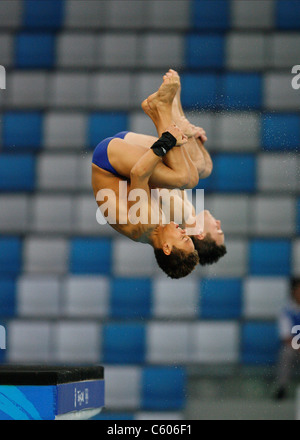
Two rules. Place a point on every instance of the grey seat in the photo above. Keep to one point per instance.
(86, 296)
(6, 49)
(162, 51)
(117, 50)
(14, 213)
(111, 90)
(132, 259)
(161, 16)
(214, 342)
(29, 341)
(77, 341)
(63, 130)
(296, 258)
(85, 15)
(175, 299)
(233, 212)
(167, 343)
(246, 51)
(279, 93)
(76, 50)
(274, 216)
(11, 12)
(263, 298)
(57, 172)
(38, 296)
(69, 90)
(45, 255)
(53, 214)
(125, 14)
(283, 50)
(237, 131)
(28, 90)
(277, 172)
(123, 387)
(252, 14)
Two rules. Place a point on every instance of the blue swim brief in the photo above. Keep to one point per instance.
(100, 157)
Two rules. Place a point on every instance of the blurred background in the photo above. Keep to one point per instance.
(74, 292)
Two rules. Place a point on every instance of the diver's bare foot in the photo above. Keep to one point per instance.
(162, 100)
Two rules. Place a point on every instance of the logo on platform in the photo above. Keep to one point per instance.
(2, 78)
(296, 79)
(2, 338)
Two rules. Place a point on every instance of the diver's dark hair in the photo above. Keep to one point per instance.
(178, 264)
(208, 250)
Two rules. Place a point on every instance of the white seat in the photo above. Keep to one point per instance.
(28, 90)
(38, 296)
(284, 47)
(167, 343)
(252, 14)
(65, 130)
(86, 296)
(237, 131)
(76, 50)
(296, 258)
(45, 255)
(11, 12)
(6, 49)
(263, 298)
(279, 93)
(157, 53)
(125, 14)
(161, 16)
(277, 172)
(233, 264)
(245, 51)
(232, 211)
(132, 259)
(214, 342)
(273, 216)
(117, 50)
(176, 299)
(52, 213)
(14, 213)
(77, 341)
(85, 15)
(57, 172)
(70, 90)
(123, 387)
(29, 341)
(111, 90)
(142, 415)
(144, 84)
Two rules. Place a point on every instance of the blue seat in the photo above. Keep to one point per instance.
(234, 173)
(46, 14)
(35, 50)
(22, 131)
(199, 90)
(260, 343)
(163, 388)
(10, 256)
(213, 14)
(17, 172)
(298, 217)
(123, 343)
(90, 256)
(130, 298)
(221, 298)
(7, 297)
(241, 91)
(270, 257)
(288, 14)
(280, 132)
(104, 125)
(205, 51)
